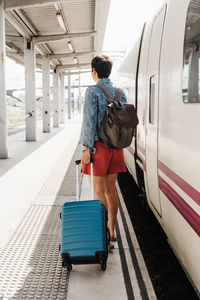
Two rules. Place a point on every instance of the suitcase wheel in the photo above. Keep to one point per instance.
(69, 267)
(103, 264)
(66, 264)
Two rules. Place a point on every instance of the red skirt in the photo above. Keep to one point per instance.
(106, 161)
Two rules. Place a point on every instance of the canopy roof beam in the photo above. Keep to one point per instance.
(22, 19)
(72, 66)
(72, 54)
(13, 4)
(57, 37)
(23, 30)
(75, 72)
(17, 26)
(51, 56)
(14, 38)
(49, 38)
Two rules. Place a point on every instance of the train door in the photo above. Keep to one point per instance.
(152, 115)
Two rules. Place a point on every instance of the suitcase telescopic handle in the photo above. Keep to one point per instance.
(77, 162)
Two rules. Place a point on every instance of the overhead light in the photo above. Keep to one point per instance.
(56, 6)
(60, 20)
(75, 60)
(70, 46)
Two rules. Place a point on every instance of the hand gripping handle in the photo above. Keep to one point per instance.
(77, 162)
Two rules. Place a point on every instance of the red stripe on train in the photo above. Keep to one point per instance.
(132, 151)
(186, 187)
(142, 150)
(185, 210)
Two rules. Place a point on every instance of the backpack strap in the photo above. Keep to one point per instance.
(106, 92)
(118, 93)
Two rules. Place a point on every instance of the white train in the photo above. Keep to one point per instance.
(162, 76)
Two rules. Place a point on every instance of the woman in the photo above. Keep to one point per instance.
(107, 162)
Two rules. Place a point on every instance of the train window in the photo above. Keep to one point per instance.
(152, 100)
(191, 67)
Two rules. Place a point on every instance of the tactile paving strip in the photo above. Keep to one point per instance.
(68, 186)
(56, 183)
(31, 265)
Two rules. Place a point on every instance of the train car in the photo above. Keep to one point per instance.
(162, 76)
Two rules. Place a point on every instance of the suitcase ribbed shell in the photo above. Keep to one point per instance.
(83, 231)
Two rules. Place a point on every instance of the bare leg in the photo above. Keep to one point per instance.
(104, 190)
(99, 189)
(112, 201)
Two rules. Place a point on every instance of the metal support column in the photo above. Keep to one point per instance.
(69, 95)
(46, 110)
(3, 110)
(55, 99)
(62, 99)
(30, 107)
(79, 95)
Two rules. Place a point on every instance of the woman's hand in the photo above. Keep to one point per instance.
(85, 156)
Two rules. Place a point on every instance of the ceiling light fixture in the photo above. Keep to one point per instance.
(70, 46)
(60, 20)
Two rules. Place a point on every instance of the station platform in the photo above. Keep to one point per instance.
(34, 183)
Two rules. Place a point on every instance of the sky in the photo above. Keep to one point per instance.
(125, 22)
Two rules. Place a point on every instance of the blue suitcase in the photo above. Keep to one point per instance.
(84, 231)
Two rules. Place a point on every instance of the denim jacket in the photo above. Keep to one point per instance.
(94, 111)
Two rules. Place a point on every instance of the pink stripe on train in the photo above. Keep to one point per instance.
(132, 151)
(141, 149)
(186, 187)
(185, 210)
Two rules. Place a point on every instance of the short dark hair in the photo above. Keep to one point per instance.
(102, 65)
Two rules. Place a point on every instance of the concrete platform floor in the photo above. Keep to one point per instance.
(35, 181)
(23, 174)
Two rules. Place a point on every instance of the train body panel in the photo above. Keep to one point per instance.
(179, 147)
(129, 78)
(152, 107)
(168, 141)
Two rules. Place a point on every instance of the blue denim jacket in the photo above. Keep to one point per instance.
(94, 112)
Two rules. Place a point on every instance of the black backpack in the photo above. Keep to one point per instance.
(120, 122)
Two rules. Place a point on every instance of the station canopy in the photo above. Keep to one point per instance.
(69, 32)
